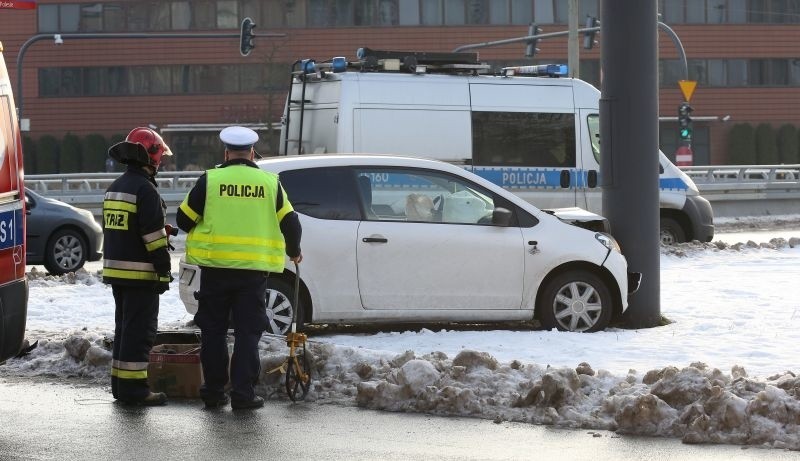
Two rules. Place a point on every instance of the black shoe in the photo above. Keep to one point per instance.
(154, 399)
(217, 402)
(257, 402)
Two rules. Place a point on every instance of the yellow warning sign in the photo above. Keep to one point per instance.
(687, 87)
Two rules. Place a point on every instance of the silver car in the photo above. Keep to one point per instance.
(60, 236)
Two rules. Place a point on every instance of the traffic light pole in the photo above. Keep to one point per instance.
(59, 39)
(586, 30)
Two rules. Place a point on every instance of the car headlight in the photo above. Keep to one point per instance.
(608, 241)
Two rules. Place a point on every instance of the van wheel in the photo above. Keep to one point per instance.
(576, 300)
(671, 232)
(66, 251)
(280, 295)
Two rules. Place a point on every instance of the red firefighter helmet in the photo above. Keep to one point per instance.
(152, 143)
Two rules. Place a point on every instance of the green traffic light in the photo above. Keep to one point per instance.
(686, 134)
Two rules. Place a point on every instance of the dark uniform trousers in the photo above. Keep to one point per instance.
(239, 295)
(136, 324)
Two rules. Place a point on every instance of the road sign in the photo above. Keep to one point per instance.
(17, 5)
(687, 87)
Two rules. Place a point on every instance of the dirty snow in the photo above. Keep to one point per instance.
(724, 371)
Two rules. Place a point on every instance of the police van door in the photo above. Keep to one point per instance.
(523, 139)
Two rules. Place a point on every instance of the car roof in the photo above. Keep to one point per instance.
(291, 162)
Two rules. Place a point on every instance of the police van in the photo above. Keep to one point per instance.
(528, 129)
(13, 284)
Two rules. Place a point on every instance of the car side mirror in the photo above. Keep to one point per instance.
(501, 217)
(591, 179)
(565, 180)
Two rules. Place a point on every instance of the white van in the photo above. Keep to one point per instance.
(527, 129)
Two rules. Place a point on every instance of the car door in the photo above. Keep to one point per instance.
(428, 243)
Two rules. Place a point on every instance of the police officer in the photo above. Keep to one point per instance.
(136, 262)
(240, 224)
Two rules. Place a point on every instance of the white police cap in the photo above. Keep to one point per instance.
(238, 137)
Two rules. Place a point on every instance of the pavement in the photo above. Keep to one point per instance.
(46, 420)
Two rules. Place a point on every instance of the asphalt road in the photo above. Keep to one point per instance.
(42, 420)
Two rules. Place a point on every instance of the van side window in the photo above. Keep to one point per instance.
(530, 139)
(324, 193)
(593, 122)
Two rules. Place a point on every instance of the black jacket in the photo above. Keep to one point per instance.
(134, 240)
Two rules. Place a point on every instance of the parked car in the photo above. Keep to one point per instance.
(60, 236)
(390, 239)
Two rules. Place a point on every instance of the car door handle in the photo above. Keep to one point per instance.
(375, 240)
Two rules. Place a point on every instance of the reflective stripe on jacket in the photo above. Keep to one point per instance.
(239, 227)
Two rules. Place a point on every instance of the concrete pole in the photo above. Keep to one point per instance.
(573, 51)
(629, 139)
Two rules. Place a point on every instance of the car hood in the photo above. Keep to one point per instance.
(581, 218)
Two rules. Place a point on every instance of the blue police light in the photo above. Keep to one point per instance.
(557, 70)
(338, 64)
(541, 70)
(308, 66)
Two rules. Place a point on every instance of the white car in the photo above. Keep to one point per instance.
(390, 239)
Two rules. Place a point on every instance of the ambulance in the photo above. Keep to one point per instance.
(528, 129)
(13, 284)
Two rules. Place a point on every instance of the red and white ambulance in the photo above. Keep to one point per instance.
(13, 284)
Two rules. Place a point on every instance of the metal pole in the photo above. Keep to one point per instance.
(62, 37)
(573, 53)
(629, 133)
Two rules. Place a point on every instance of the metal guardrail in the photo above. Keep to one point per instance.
(731, 189)
(86, 190)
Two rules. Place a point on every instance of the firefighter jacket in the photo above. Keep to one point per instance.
(134, 240)
(239, 221)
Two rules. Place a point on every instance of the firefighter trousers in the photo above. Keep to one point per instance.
(136, 323)
(227, 295)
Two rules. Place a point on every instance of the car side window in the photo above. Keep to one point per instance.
(324, 193)
(416, 195)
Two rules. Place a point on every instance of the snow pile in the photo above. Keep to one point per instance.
(699, 404)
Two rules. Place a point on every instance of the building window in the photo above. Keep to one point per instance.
(161, 80)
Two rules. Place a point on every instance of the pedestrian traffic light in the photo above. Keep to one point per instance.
(685, 121)
(530, 47)
(247, 36)
(589, 36)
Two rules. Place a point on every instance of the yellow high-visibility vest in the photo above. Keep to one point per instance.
(239, 227)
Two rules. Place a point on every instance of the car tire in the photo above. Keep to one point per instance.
(66, 251)
(280, 307)
(576, 300)
(671, 232)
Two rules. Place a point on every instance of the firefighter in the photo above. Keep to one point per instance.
(240, 224)
(136, 262)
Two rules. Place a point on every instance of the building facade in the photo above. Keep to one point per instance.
(742, 53)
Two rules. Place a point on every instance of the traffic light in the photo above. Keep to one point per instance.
(530, 47)
(685, 121)
(247, 36)
(589, 36)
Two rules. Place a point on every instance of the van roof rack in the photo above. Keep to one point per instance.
(415, 62)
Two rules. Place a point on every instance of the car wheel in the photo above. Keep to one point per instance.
(280, 308)
(576, 300)
(671, 232)
(66, 251)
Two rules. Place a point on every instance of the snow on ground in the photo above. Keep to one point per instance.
(724, 371)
